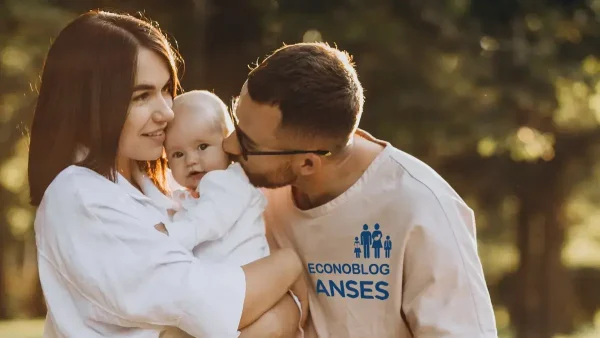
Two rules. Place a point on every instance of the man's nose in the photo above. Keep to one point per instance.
(231, 145)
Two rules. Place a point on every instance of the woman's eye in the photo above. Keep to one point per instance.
(203, 146)
(141, 97)
(177, 154)
(168, 87)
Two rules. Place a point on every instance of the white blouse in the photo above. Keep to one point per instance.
(106, 272)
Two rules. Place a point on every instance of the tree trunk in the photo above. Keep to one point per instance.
(6, 27)
(233, 41)
(546, 302)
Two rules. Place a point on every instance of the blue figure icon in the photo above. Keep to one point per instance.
(366, 240)
(377, 235)
(387, 246)
(356, 247)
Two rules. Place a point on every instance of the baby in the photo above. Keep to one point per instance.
(194, 149)
(216, 213)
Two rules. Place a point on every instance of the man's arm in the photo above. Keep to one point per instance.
(445, 293)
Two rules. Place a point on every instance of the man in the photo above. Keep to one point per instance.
(330, 182)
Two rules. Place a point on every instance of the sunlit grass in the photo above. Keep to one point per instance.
(22, 329)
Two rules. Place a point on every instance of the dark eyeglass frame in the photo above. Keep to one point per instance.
(245, 152)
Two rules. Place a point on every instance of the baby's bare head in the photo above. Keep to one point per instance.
(201, 106)
(194, 137)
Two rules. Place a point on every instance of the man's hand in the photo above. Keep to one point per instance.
(281, 321)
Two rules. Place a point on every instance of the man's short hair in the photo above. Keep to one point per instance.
(316, 88)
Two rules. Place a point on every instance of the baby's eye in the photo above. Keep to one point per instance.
(177, 154)
(203, 146)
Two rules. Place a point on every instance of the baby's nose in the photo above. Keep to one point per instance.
(192, 159)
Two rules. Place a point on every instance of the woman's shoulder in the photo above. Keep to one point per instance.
(78, 185)
(75, 177)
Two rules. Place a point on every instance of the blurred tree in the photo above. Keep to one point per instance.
(6, 29)
(27, 29)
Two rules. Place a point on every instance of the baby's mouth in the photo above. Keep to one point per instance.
(196, 174)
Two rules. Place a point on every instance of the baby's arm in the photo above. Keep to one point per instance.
(225, 196)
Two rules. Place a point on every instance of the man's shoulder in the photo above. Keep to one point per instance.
(412, 183)
(413, 171)
(417, 193)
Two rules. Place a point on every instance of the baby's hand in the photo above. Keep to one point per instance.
(182, 195)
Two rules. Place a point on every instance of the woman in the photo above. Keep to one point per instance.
(377, 236)
(105, 99)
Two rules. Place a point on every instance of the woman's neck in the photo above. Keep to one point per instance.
(124, 167)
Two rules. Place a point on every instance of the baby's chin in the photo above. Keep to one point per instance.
(183, 183)
(191, 183)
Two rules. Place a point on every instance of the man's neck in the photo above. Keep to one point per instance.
(336, 177)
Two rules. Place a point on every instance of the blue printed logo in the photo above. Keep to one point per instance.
(356, 279)
(372, 240)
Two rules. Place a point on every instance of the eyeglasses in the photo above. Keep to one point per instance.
(245, 152)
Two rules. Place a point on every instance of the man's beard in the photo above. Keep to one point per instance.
(272, 179)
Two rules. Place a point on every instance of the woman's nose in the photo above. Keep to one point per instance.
(164, 112)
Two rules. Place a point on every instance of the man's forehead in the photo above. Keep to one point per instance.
(254, 115)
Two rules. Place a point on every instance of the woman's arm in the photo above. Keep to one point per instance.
(281, 321)
(300, 290)
(286, 318)
(267, 281)
(100, 240)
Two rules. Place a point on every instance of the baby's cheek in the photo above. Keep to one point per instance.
(178, 173)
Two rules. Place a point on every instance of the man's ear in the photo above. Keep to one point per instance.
(307, 164)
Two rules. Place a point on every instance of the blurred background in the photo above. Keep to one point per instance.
(501, 97)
